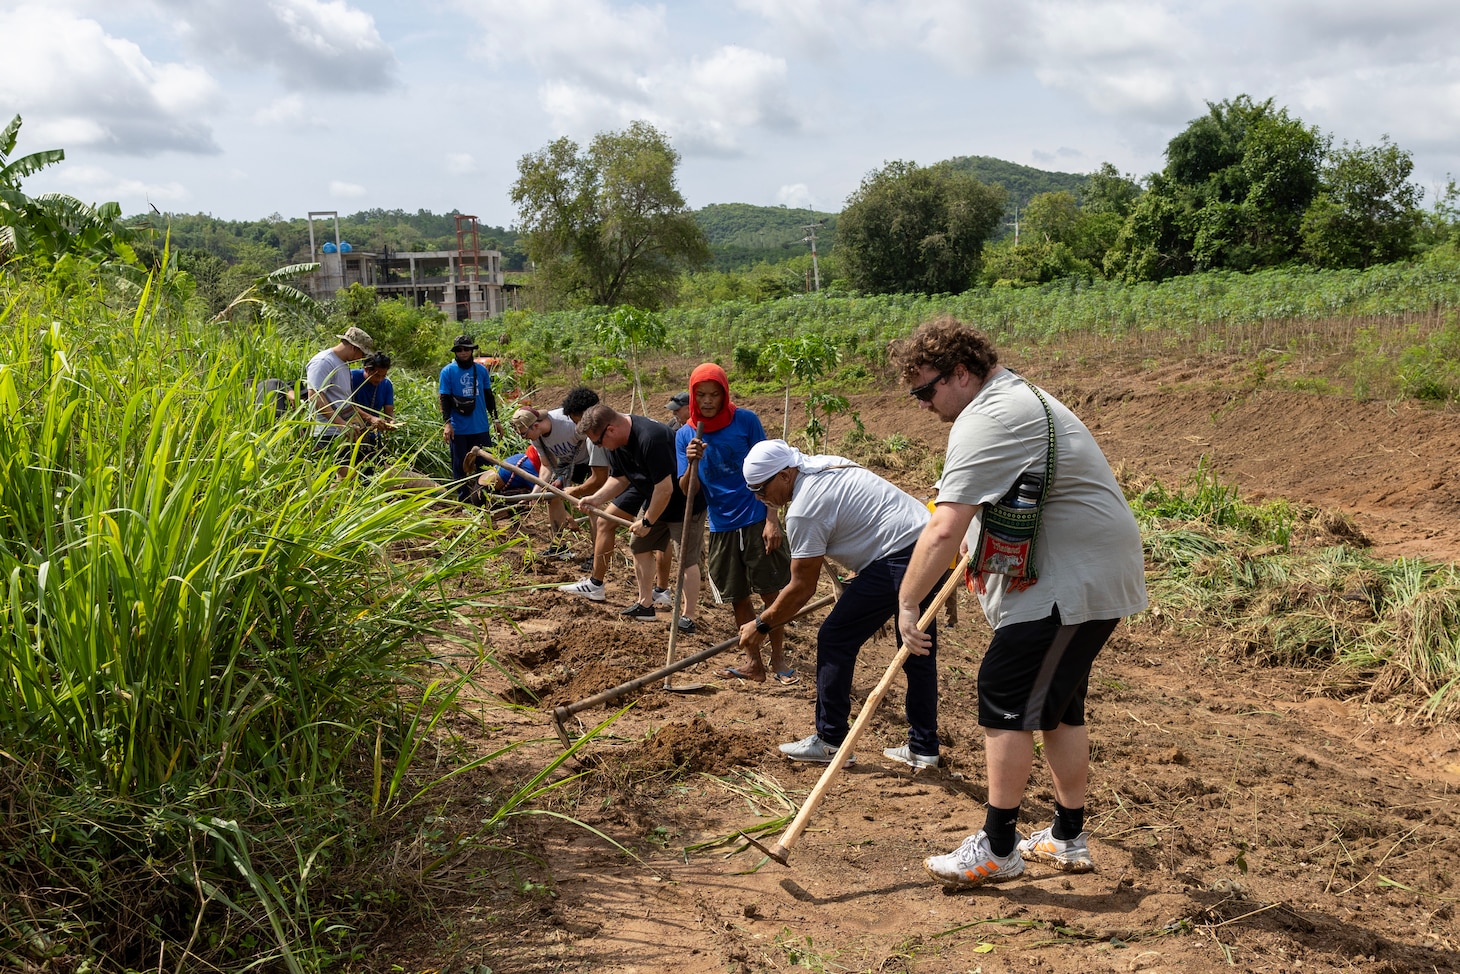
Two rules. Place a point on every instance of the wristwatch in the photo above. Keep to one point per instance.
(761, 626)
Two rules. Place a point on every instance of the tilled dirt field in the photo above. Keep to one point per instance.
(1244, 818)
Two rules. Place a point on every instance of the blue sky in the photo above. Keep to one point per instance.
(244, 108)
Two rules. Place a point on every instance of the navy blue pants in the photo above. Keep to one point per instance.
(461, 445)
(869, 601)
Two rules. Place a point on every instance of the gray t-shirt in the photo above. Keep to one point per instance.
(1088, 554)
(567, 447)
(329, 375)
(852, 516)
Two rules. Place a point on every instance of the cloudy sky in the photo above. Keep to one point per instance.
(244, 108)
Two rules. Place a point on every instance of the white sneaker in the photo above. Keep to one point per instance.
(813, 749)
(586, 588)
(1070, 855)
(911, 758)
(974, 863)
(663, 597)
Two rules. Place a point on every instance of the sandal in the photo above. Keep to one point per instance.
(787, 677)
(731, 672)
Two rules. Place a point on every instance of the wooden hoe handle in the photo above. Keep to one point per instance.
(557, 490)
(781, 851)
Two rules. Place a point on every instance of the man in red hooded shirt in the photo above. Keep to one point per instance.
(747, 554)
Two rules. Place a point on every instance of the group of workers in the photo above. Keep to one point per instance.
(1027, 506)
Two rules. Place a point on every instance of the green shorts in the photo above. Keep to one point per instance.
(740, 566)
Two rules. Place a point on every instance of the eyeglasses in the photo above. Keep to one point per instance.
(598, 440)
(929, 389)
(759, 489)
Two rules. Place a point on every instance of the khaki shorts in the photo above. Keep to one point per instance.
(664, 532)
(740, 566)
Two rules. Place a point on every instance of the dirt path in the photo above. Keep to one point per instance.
(1243, 820)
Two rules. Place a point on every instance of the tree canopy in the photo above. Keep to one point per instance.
(607, 226)
(915, 228)
(1248, 186)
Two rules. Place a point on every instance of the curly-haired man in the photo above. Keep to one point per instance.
(1052, 595)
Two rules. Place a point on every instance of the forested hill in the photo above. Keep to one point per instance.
(1022, 182)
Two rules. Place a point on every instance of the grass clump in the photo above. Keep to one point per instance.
(1295, 587)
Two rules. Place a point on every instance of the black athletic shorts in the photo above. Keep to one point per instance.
(1035, 674)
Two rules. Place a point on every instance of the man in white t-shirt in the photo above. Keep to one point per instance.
(328, 380)
(842, 511)
(1089, 574)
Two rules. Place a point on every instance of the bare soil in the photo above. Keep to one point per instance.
(1244, 818)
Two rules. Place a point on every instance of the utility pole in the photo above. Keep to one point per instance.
(1016, 224)
(810, 238)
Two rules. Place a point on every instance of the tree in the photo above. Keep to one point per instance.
(914, 228)
(607, 226)
(807, 357)
(1368, 212)
(1236, 185)
(52, 226)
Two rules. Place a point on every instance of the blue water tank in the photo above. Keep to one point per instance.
(328, 248)
(345, 247)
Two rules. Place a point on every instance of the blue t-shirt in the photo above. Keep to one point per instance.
(731, 504)
(373, 397)
(471, 383)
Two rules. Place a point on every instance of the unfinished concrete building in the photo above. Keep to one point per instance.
(466, 283)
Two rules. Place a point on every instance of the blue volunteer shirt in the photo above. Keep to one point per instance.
(373, 397)
(472, 382)
(731, 504)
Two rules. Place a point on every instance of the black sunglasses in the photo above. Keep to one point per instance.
(926, 391)
(759, 488)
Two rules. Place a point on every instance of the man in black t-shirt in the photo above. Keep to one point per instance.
(643, 484)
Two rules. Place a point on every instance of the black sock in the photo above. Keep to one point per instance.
(1068, 822)
(998, 825)
(595, 581)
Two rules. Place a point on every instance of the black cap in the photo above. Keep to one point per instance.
(464, 341)
(677, 401)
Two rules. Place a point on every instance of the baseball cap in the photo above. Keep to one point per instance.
(677, 401)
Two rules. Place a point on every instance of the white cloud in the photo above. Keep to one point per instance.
(311, 45)
(76, 82)
(96, 183)
(346, 191)
(460, 163)
(601, 66)
(797, 196)
(289, 112)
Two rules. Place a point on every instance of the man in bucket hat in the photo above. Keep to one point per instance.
(468, 409)
(328, 380)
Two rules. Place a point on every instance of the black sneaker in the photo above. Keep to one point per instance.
(586, 565)
(637, 611)
(686, 627)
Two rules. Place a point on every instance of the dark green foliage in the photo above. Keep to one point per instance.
(910, 228)
(1368, 211)
(1236, 185)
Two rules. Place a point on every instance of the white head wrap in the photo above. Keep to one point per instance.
(769, 457)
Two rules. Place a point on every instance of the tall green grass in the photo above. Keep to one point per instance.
(210, 641)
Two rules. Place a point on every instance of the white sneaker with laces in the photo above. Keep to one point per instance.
(663, 597)
(911, 758)
(586, 588)
(814, 750)
(974, 863)
(1070, 855)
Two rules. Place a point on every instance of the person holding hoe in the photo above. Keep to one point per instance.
(642, 486)
(837, 509)
(1056, 561)
(468, 409)
(747, 554)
